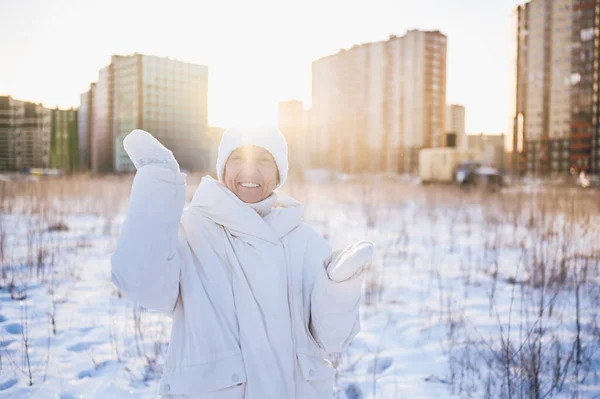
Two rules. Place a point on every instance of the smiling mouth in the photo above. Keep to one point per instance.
(249, 185)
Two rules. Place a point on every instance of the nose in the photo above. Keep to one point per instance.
(250, 166)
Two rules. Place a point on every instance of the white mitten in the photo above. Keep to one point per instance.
(144, 149)
(350, 262)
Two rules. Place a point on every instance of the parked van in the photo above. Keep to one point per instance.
(439, 164)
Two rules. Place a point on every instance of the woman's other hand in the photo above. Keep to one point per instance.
(144, 149)
(350, 262)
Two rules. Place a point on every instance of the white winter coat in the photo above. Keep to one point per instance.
(254, 313)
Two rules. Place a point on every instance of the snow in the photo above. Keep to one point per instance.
(454, 280)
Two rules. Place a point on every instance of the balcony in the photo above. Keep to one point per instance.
(580, 146)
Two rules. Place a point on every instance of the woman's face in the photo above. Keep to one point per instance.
(251, 173)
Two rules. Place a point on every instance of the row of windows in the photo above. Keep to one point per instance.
(177, 77)
(171, 93)
(180, 85)
(172, 108)
(124, 77)
(174, 100)
(191, 118)
(175, 129)
(170, 97)
(154, 62)
(192, 114)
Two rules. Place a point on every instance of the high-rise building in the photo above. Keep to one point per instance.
(455, 126)
(294, 124)
(376, 105)
(84, 127)
(163, 96)
(555, 106)
(214, 134)
(25, 131)
(102, 136)
(64, 140)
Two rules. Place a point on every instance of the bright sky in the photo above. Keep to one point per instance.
(258, 52)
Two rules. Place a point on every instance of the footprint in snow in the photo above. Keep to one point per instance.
(382, 364)
(92, 372)
(5, 343)
(8, 384)
(80, 346)
(14, 328)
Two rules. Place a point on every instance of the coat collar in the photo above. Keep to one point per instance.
(223, 207)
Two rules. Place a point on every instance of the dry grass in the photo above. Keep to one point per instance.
(555, 230)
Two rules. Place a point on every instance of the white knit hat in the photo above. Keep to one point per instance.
(269, 138)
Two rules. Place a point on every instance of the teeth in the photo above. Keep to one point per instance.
(249, 185)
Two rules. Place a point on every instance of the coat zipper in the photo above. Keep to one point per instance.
(290, 295)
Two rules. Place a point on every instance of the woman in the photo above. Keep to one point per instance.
(257, 297)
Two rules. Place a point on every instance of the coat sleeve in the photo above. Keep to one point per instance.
(334, 309)
(146, 263)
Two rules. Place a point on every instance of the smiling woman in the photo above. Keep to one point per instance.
(251, 174)
(252, 163)
(242, 268)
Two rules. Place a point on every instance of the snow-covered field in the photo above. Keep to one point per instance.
(472, 294)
